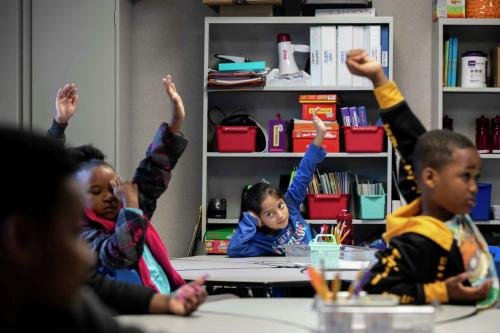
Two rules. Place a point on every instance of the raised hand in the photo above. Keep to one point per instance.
(66, 103)
(127, 192)
(360, 64)
(320, 127)
(179, 112)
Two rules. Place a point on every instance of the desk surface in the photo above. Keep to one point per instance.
(272, 271)
(289, 315)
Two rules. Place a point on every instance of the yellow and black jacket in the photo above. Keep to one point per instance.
(421, 251)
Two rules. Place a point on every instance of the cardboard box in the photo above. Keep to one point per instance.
(277, 136)
(448, 9)
(308, 125)
(303, 139)
(216, 246)
(495, 67)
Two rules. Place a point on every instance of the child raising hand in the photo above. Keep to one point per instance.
(269, 220)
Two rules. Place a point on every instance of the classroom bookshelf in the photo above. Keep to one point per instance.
(225, 174)
(464, 105)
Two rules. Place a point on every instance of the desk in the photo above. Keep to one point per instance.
(262, 272)
(290, 315)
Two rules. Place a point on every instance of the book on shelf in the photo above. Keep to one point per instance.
(344, 45)
(328, 55)
(315, 55)
(217, 79)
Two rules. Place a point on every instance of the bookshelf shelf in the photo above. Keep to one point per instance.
(293, 155)
(490, 156)
(315, 222)
(460, 90)
(225, 174)
(293, 89)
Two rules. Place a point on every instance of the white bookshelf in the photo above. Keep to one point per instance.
(464, 105)
(225, 174)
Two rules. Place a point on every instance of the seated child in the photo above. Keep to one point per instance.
(270, 220)
(117, 213)
(44, 262)
(435, 252)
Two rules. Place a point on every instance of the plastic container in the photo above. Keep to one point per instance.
(474, 69)
(300, 254)
(482, 9)
(481, 212)
(372, 314)
(231, 139)
(482, 134)
(324, 255)
(326, 206)
(370, 207)
(495, 135)
(364, 139)
(303, 139)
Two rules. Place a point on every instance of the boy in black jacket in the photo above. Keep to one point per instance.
(434, 251)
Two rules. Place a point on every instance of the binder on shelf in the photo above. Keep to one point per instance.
(384, 44)
(328, 55)
(446, 63)
(344, 45)
(449, 66)
(375, 36)
(454, 63)
(315, 56)
(366, 47)
(357, 43)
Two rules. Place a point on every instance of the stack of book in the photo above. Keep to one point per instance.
(330, 183)
(217, 79)
(450, 62)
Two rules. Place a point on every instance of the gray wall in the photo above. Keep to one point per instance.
(412, 51)
(10, 62)
(167, 37)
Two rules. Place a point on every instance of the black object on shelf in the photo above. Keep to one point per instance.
(308, 7)
(217, 208)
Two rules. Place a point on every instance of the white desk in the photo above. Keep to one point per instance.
(254, 271)
(288, 315)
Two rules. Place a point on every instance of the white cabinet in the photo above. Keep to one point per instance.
(225, 174)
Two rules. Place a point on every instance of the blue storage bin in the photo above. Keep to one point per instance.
(481, 212)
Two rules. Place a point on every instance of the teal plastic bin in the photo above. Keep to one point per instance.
(371, 207)
(324, 254)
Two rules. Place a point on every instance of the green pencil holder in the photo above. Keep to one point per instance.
(371, 207)
(324, 254)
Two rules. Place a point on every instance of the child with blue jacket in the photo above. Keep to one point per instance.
(269, 220)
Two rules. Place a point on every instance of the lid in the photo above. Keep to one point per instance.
(283, 37)
(474, 54)
(483, 122)
(344, 215)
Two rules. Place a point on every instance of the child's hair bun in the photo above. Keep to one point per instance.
(86, 153)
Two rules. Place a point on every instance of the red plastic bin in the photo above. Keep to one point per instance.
(363, 139)
(303, 139)
(326, 206)
(236, 139)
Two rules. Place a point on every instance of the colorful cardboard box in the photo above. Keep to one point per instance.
(448, 9)
(327, 104)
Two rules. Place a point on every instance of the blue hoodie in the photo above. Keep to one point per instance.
(248, 241)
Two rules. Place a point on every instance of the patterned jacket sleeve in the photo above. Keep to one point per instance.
(56, 131)
(155, 170)
(121, 248)
(407, 268)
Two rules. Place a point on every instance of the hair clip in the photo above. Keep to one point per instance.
(249, 187)
(263, 180)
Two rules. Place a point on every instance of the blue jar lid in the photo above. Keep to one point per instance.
(474, 54)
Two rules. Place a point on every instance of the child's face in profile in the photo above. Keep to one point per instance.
(274, 213)
(455, 185)
(97, 191)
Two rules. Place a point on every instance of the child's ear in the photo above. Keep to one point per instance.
(429, 177)
(20, 239)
